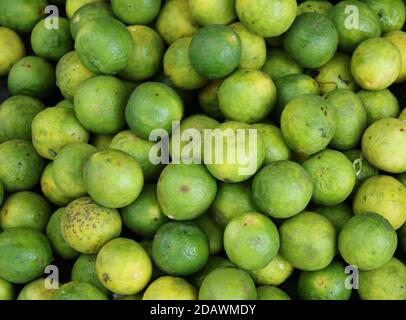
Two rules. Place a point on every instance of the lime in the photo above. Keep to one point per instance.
(398, 38)
(54, 128)
(170, 288)
(391, 13)
(384, 145)
(187, 96)
(282, 189)
(180, 249)
(65, 103)
(101, 141)
(367, 241)
(6, 290)
(231, 200)
(308, 124)
(214, 262)
(247, 96)
(87, 226)
(215, 51)
(355, 22)
(136, 11)
(213, 11)
(338, 214)
(363, 169)
(31, 76)
(113, 178)
(251, 241)
(312, 40)
(144, 216)
(325, 284)
(20, 165)
(271, 293)
(185, 191)
(78, 291)
(49, 188)
(376, 64)
(385, 283)
(175, 21)
(104, 45)
(13, 49)
(308, 241)
(36, 290)
(72, 6)
(16, 115)
(139, 149)
(384, 195)
(316, 6)
(208, 99)
(274, 273)
(213, 232)
(54, 235)
(24, 254)
(227, 284)
(268, 18)
(178, 67)
(153, 105)
(279, 64)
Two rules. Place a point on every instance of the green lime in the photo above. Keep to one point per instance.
(247, 96)
(175, 21)
(213, 232)
(170, 288)
(391, 13)
(384, 145)
(271, 293)
(316, 6)
(153, 105)
(123, 266)
(376, 64)
(227, 284)
(21, 15)
(70, 73)
(208, 99)
(185, 191)
(65, 103)
(20, 165)
(144, 216)
(25, 209)
(16, 115)
(308, 241)
(36, 290)
(101, 141)
(232, 199)
(113, 178)
(87, 13)
(282, 189)
(54, 235)
(385, 283)
(308, 124)
(72, 6)
(213, 11)
(139, 149)
(147, 55)
(84, 270)
(104, 45)
(237, 152)
(31, 76)
(279, 64)
(187, 96)
(24, 254)
(363, 169)
(49, 188)
(51, 43)
(100, 103)
(214, 262)
(54, 128)
(367, 241)
(6, 290)
(253, 48)
(12, 49)
(180, 249)
(68, 168)
(338, 215)
(136, 11)
(355, 22)
(336, 74)
(268, 18)
(384, 195)
(328, 283)
(251, 241)
(274, 273)
(178, 67)
(312, 40)
(78, 291)
(379, 104)
(215, 51)
(87, 226)
(398, 38)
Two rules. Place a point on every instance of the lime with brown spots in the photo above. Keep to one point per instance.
(170, 288)
(36, 290)
(274, 273)
(185, 191)
(87, 227)
(13, 49)
(78, 291)
(279, 64)
(322, 7)
(213, 11)
(136, 11)
(271, 293)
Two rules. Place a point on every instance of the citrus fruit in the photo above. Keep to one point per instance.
(36, 290)
(279, 64)
(78, 291)
(213, 232)
(6, 290)
(391, 13)
(13, 49)
(214, 262)
(317, 6)
(170, 288)
(398, 38)
(271, 293)
(274, 273)
(208, 99)
(363, 169)
(338, 214)
(136, 11)
(213, 11)
(72, 6)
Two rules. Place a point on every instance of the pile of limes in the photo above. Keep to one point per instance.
(203, 149)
